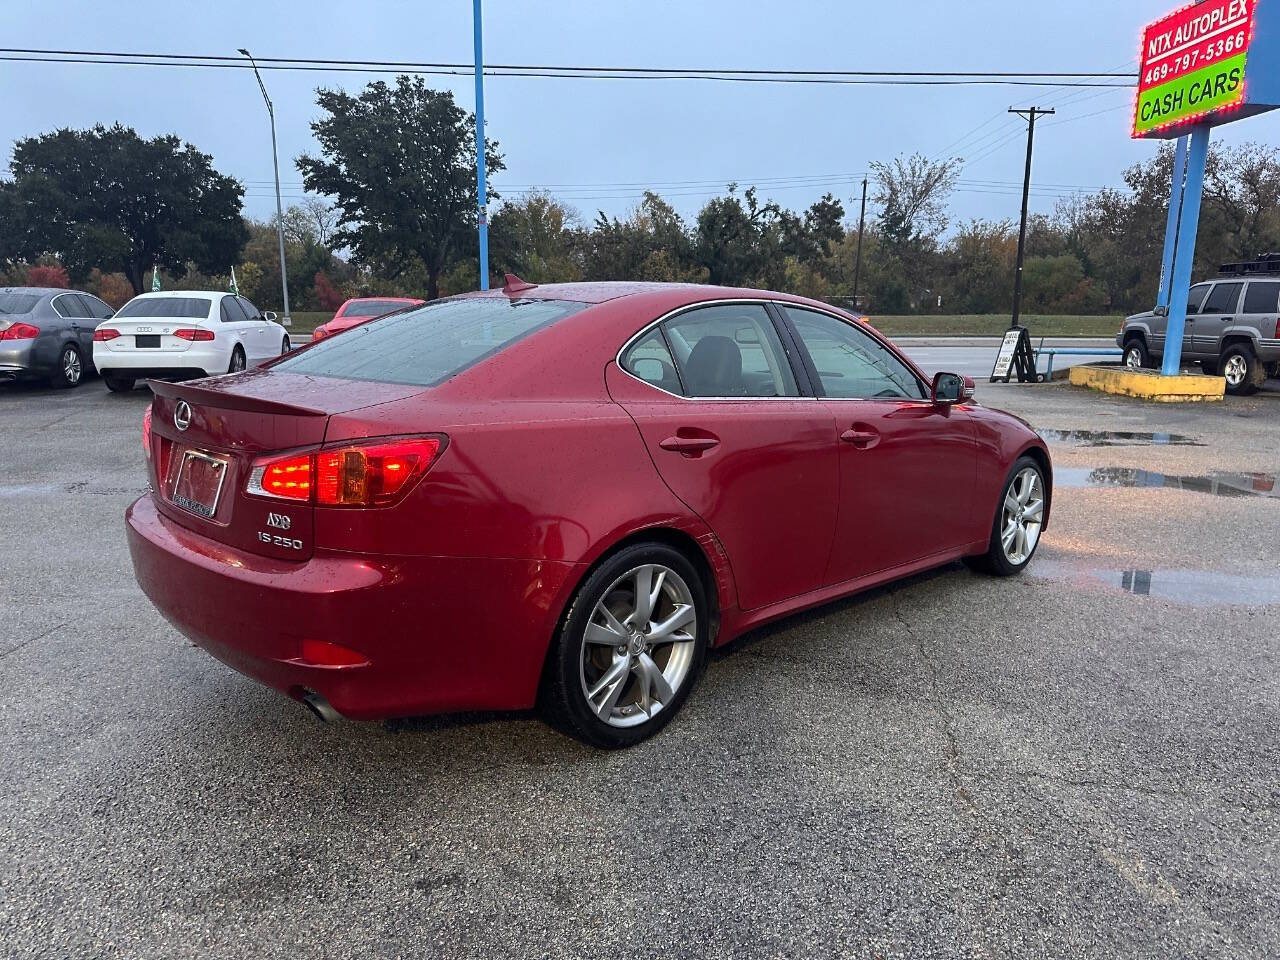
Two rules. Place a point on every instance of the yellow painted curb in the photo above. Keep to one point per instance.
(1149, 384)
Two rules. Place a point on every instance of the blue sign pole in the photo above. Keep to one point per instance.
(481, 189)
(1184, 256)
(1171, 226)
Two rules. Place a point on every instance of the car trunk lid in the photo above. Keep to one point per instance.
(206, 435)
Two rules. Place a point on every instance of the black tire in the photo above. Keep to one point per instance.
(996, 560)
(237, 360)
(68, 371)
(1250, 378)
(119, 384)
(563, 699)
(284, 345)
(1209, 368)
(1136, 355)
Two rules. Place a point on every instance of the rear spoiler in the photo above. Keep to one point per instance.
(214, 395)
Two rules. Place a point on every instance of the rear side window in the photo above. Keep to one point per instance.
(651, 361)
(428, 345)
(174, 308)
(1224, 298)
(1261, 297)
(1195, 297)
(371, 308)
(730, 350)
(71, 306)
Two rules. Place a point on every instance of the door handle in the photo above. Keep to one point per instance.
(861, 437)
(689, 446)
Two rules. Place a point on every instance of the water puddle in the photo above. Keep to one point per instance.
(1119, 438)
(1195, 588)
(1216, 484)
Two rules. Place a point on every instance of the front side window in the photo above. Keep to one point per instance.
(730, 350)
(651, 361)
(1224, 298)
(98, 309)
(426, 346)
(1195, 297)
(171, 308)
(851, 363)
(1261, 297)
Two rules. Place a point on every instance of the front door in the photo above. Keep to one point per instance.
(907, 466)
(1218, 312)
(716, 400)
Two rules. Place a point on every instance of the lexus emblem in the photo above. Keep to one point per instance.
(182, 415)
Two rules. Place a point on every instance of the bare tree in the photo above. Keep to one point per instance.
(912, 195)
(322, 217)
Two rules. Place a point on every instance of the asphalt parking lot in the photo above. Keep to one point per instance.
(1079, 762)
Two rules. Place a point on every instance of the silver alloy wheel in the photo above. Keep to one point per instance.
(1022, 516)
(1235, 369)
(1132, 358)
(638, 647)
(71, 368)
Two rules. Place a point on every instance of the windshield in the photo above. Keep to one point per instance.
(12, 303)
(177, 308)
(372, 308)
(428, 345)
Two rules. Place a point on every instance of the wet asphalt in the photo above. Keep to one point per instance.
(1079, 762)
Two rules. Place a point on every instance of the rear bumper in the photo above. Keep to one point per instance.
(439, 633)
(153, 373)
(19, 358)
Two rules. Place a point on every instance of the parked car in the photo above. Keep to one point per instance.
(1231, 329)
(47, 333)
(562, 495)
(360, 309)
(181, 334)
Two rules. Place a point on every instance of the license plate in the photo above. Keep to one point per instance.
(199, 483)
(147, 340)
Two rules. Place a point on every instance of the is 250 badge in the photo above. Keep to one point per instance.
(278, 541)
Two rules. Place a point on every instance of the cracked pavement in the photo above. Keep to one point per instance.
(954, 766)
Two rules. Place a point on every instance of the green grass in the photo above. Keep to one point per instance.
(304, 321)
(993, 325)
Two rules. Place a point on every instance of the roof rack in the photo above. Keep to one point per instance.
(1263, 263)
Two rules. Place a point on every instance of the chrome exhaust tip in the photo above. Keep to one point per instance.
(320, 707)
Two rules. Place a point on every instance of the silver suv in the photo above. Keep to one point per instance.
(1231, 330)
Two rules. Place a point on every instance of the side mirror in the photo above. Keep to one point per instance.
(1160, 311)
(951, 388)
(269, 316)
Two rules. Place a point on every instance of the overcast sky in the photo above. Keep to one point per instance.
(598, 142)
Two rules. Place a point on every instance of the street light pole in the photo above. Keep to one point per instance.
(482, 198)
(275, 163)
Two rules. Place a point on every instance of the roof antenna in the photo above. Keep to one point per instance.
(513, 284)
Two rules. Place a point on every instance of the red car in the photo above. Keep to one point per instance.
(360, 309)
(562, 495)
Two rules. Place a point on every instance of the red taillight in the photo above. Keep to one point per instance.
(146, 432)
(103, 334)
(20, 331)
(323, 654)
(193, 333)
(362, 475)
(289, 478)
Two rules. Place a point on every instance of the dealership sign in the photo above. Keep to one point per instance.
(1207, 63)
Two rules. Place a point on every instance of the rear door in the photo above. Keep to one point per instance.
(1219, 311)
(907, 466)
(1260, 310)
(717, 401)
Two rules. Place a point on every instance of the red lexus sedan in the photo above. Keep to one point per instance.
(562, 495)
(359, 309)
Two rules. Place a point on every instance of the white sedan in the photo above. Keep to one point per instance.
(180, 334)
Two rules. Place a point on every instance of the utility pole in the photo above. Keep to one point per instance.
(482, 191)
(862, 222)
(1030, 117)
(275, 163)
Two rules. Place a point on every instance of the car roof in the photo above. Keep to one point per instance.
(41, 291)
(186, 294)
(598, 292)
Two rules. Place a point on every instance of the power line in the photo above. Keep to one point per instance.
(865, 77)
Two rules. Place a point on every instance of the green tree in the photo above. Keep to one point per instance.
(537, 238)
(109, 199)
(400, 164)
